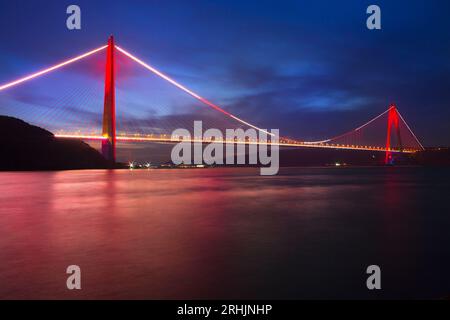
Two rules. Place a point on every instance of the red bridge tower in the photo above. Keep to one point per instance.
(393, 121)
(109, 110)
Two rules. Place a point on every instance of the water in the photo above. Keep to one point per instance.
(226, 233)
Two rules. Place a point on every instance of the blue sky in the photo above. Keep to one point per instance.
(310, 68)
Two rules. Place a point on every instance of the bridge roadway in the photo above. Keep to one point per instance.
(282, 143)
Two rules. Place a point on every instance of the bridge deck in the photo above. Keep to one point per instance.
(281, 143)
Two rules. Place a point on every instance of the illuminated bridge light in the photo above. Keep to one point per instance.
(161, 138)
(50, 69)
(193, 94)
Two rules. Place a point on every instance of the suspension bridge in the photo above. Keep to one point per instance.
(388, 132)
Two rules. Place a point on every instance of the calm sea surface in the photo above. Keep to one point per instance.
(226, 233)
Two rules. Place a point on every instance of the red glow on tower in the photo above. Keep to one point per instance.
(393, 120)
(109, 111)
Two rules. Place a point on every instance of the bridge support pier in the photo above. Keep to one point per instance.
(109, 110)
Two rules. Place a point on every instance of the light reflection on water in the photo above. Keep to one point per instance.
(225, 233)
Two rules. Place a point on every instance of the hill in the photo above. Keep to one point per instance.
(27, 147)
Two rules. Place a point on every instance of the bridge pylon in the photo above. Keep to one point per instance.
(393, 121)
(109, 109)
